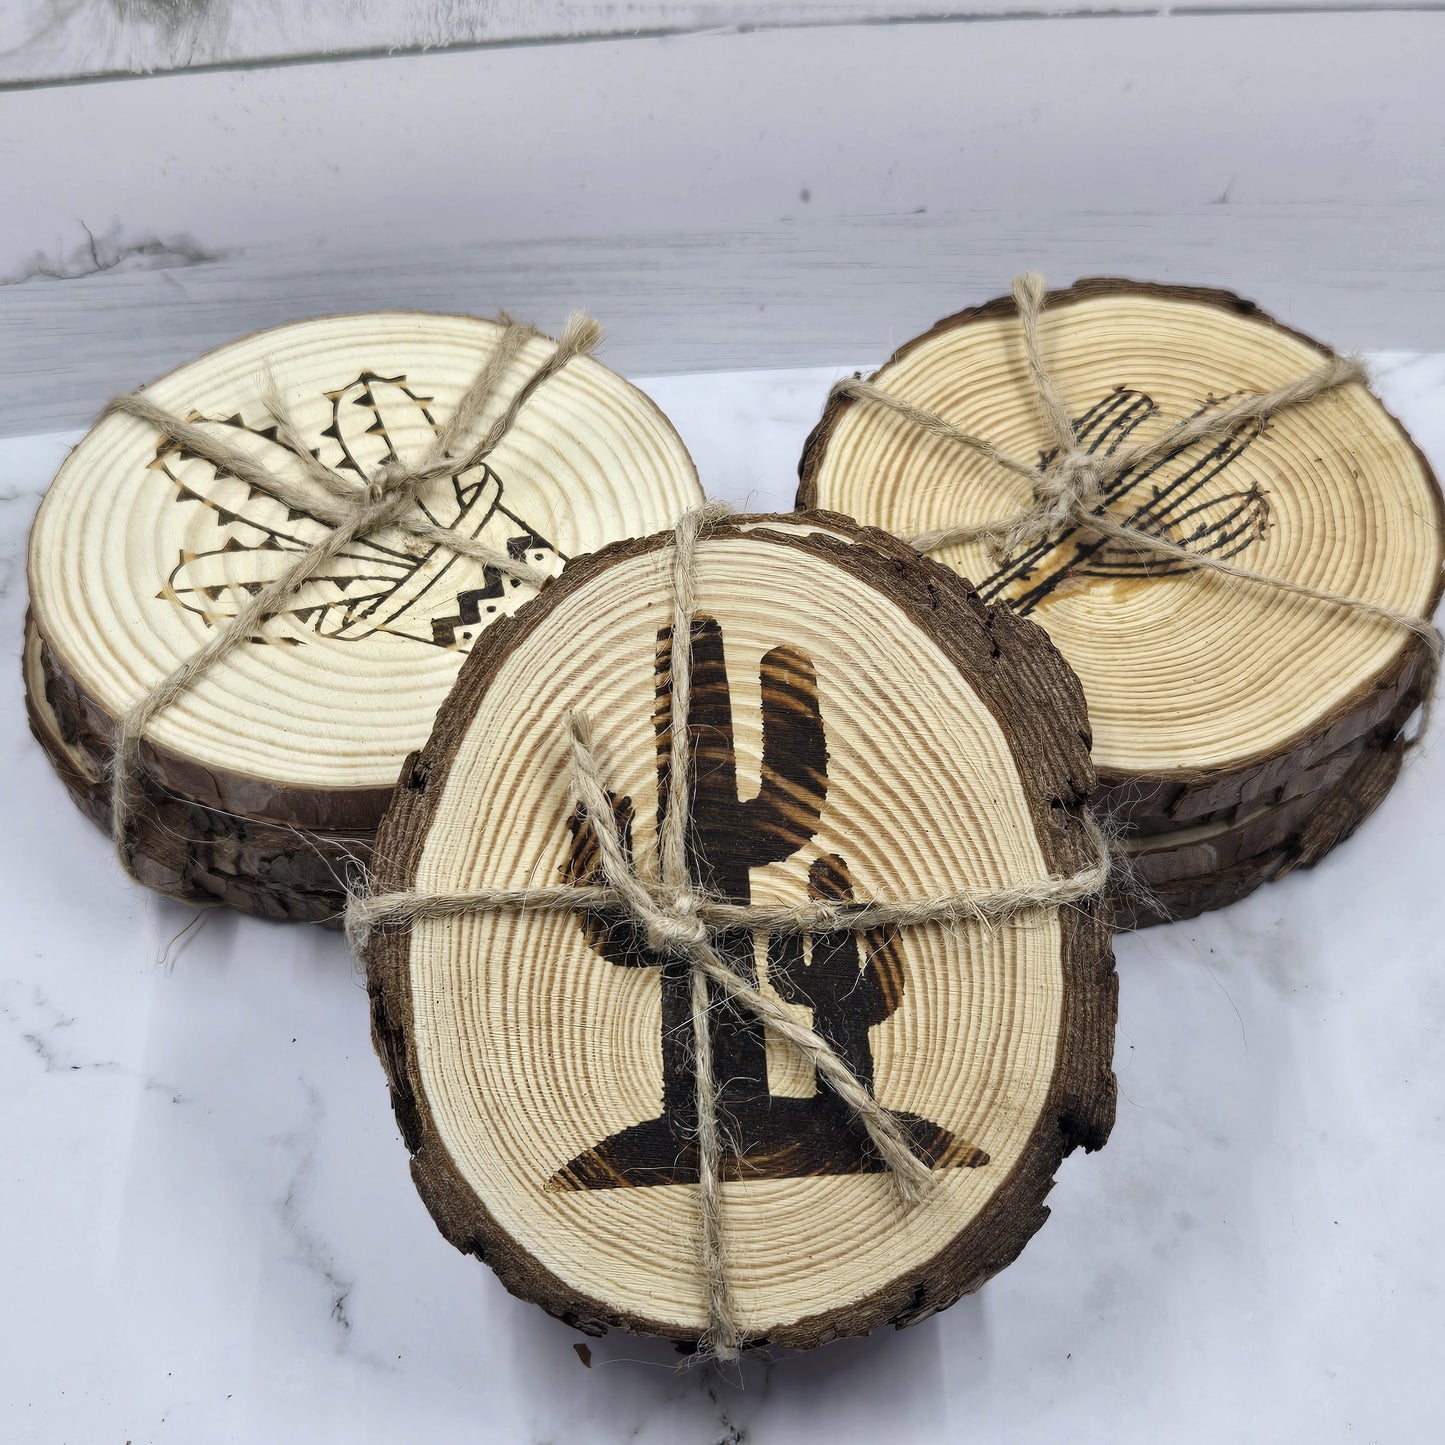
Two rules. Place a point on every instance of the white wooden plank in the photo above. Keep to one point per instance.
(49, 40)
(771, 199)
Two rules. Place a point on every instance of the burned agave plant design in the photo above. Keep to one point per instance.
(380, 584)
(1173, 498)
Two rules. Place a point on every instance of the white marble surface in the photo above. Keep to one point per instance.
(210, 1235)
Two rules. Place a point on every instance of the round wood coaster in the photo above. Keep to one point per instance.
(1209, 696)
(141, 549)
(862, 727)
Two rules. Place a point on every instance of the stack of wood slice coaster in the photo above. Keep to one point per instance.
(862, 727)
(1239, 731)
(263, 785)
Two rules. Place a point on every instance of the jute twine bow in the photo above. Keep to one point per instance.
(1069, 489)
(680, 922)
(387, 500)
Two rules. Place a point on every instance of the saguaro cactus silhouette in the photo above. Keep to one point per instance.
(728, 835)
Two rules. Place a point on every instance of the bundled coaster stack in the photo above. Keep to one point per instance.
(737, 948)
(1226, 534)
(252, 583)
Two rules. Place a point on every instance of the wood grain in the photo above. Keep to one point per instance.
(1208, 697)
(142, 548)
(932, 694)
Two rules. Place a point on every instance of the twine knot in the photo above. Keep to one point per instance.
(1075, 482)
(391, 479)
(672, 924)
(388, 496)
(1067, 492)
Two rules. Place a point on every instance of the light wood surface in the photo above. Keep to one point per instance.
(1207, 695)
(139, 549)
(142, 549)
(515, 1044)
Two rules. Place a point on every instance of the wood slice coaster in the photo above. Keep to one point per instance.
(1210, 697)
(271, 769)
(862, 727)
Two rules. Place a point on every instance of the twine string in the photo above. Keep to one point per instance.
(385, 501)
(689, 937)
(680, 922)
(1069, 489)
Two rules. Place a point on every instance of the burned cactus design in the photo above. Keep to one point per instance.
(728, 836)
(380, 584)
(1172, 498)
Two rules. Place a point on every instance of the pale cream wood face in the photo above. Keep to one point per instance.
(139, 552)
(531, 1047)
(1183, 671)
